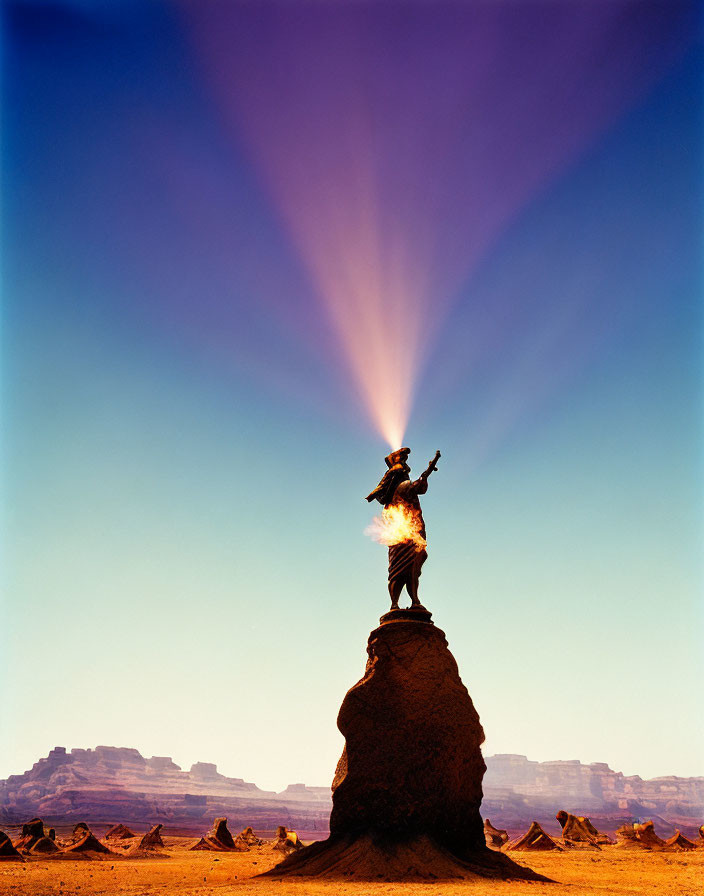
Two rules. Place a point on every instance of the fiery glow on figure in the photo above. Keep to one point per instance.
(396, 524)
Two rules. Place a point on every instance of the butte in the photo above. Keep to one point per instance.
(408, 786)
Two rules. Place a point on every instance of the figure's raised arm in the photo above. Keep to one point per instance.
(433, 465)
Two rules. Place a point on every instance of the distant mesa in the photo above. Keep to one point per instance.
(119, 784)
(109, 784)
(534, 840)
(205, 771)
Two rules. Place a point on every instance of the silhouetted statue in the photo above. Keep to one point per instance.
(399, 495)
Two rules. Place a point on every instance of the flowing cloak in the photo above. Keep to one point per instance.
(406, 558)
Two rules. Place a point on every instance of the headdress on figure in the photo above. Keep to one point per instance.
(398, 472)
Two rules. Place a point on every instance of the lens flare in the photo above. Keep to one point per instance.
(397, 523)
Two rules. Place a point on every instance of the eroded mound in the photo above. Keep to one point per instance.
(419, 858)
(119, 832)
(577, 830)
(286, 841)
(219, 839)
(534, 840)
(32, 832)
(84, 841)
(7, 850)
(249, 837)
(152, 839)
(679, 843)
(495, 837)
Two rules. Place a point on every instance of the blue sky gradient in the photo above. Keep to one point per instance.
(185, 453)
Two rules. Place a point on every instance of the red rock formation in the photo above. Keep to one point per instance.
(119, 832)
(84, 841)
(33, 838)
(43, 846)
(578, 829)
(679, 843)
(286, 841)
(408, 787)
(152, 839)
(219, 839)
(639, 836)
(8, 852)
(208, 845)
(31, 832)
(535, 839)
(100, 785)
(249, 837)
(494, 837)
(646, 835)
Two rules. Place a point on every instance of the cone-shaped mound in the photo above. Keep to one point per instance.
(209, 845)
(7, 850)
(84, 841)
(679, 843)
(535, 839)
(119, 832)
(408, 786)
(152, 839)
(43, 846)
(418, 858)
(494, 837)
(578, 830)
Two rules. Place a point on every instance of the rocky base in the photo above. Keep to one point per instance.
(420, 858)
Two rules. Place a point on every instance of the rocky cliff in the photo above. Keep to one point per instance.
(110, 784)
(117, 784)
(516, 787)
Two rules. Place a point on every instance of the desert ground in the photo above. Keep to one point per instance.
(186, 873)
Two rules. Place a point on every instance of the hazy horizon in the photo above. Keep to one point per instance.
(279, 787)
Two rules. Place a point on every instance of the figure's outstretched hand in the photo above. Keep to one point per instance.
(432, 465)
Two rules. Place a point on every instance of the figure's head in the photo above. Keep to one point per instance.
(400, 456)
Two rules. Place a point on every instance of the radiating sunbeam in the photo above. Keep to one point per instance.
(397, 142)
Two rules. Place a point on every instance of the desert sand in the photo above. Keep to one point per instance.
(187, 873)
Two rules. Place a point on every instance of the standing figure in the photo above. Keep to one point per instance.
(406, 540)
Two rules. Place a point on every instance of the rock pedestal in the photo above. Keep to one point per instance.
(408, 786)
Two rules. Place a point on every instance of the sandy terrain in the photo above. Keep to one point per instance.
(189, 873)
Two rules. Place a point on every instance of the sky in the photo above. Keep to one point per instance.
(247, 247)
